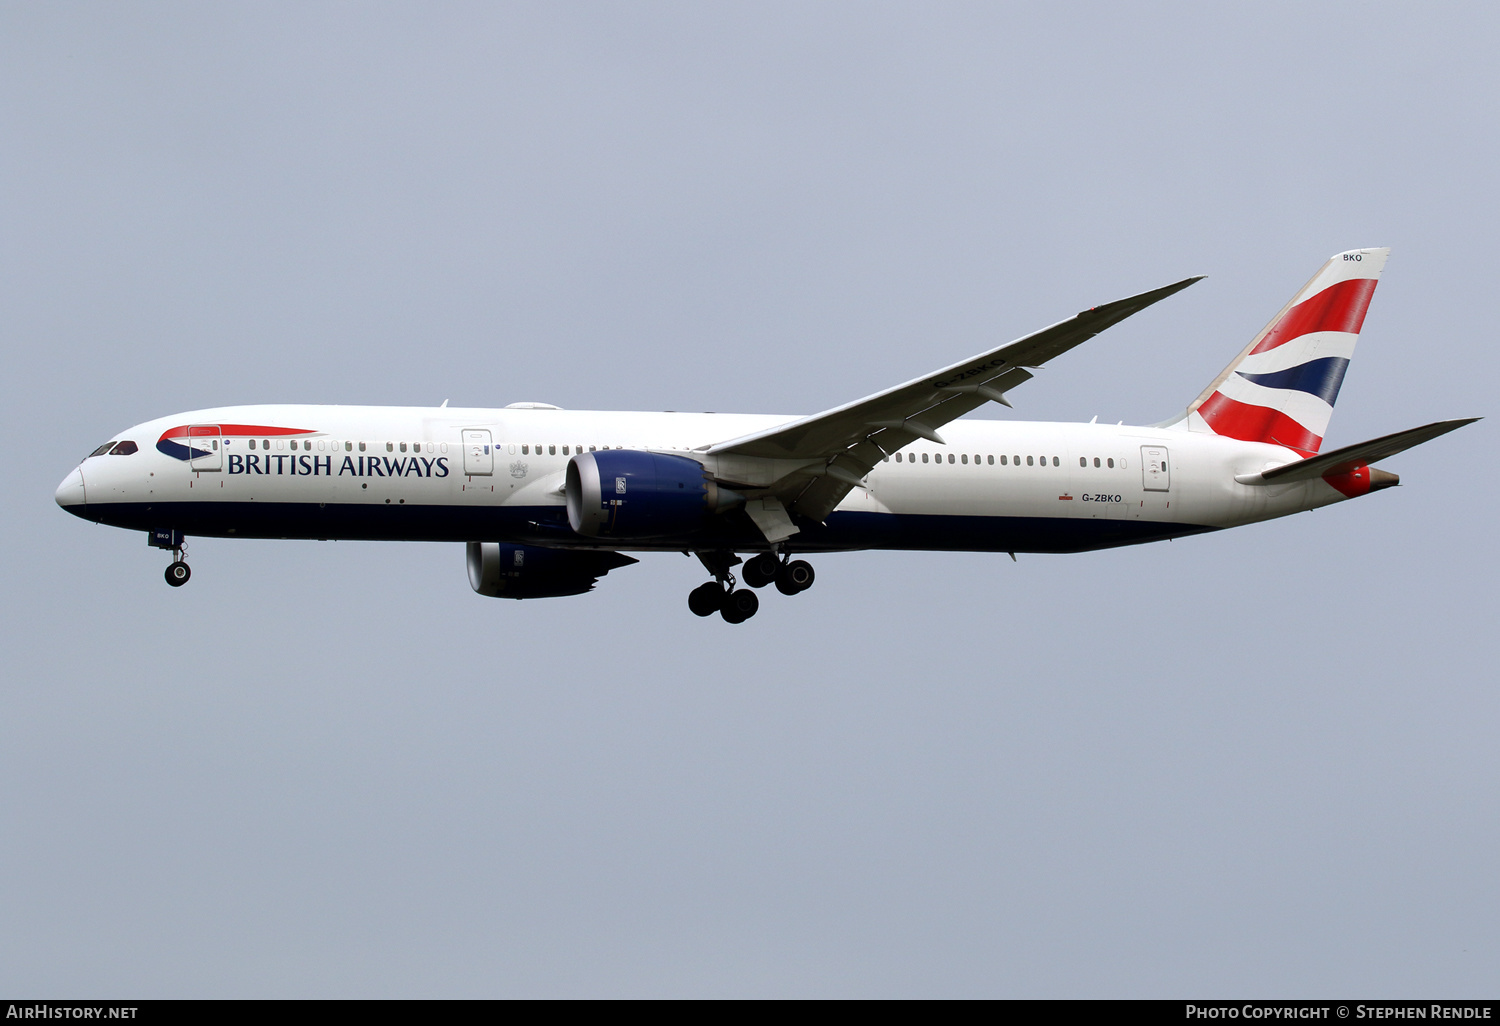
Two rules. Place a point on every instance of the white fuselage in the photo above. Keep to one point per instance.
(405, 473)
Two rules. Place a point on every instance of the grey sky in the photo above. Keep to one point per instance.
(1256, 763)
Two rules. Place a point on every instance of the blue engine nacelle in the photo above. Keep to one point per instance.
(626, 493)
(503, 570)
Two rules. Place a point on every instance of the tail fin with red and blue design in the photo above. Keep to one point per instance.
(1282, 387)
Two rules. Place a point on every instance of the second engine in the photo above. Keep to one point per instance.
(504, 570)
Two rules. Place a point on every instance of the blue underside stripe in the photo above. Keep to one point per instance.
(548, 525)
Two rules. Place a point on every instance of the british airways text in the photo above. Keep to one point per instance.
(358, 466)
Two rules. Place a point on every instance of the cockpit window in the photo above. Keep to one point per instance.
(101, 450)
(125, 448)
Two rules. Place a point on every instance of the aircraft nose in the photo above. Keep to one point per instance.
(70, 493)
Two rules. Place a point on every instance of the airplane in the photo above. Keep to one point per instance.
(547, 501)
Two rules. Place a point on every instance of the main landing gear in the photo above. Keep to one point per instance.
(736, 605)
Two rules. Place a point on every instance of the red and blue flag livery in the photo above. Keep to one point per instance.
(1283, 386)
(200, 441)
(547, 501)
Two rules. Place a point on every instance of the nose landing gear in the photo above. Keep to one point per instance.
(736, 605)
(176, 542)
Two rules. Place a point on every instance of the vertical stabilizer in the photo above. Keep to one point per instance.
(1282, 387)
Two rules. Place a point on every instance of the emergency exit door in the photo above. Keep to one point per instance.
(1156, 474)
(479, 454)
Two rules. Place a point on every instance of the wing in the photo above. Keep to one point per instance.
(849, 440)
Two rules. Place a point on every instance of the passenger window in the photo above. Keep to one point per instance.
(252, 445)
(950, 457)
(924, 457)
(1096, 461)
(361, 446)
(348, 446)
(593, 449)
(403, 446)
(1083, 461)
(565, 450)
(966, 458)
(525, 450)
(390, 446)
(551, 450)
(1029, 461)
(992, 460)
(1056, 462)
(1111, 463)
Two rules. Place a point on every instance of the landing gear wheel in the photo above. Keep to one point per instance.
(706, 599)
(761, 570)
(178, 574)
(739, 606)
(794, 577)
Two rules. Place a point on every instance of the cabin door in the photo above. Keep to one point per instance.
(479, 453)
(205, 447)
(1156, 474)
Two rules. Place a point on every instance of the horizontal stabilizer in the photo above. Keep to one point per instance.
(1342, 461)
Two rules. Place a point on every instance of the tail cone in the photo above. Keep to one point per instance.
(1383, 479)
